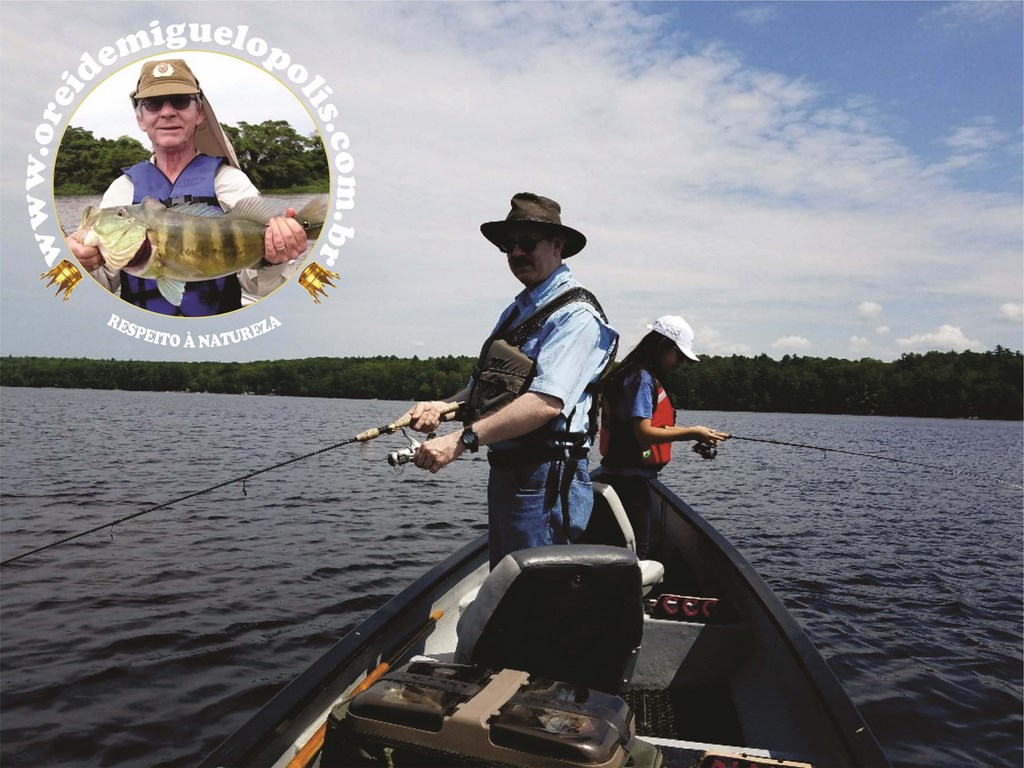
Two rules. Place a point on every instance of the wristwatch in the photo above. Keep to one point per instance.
(469, 440)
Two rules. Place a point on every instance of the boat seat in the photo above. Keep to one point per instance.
(467, 600)
(568, 613)
(606, 501)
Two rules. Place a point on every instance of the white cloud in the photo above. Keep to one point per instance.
(757, 15)
(1012, 312)
(948, 337)
(970, 13)
(859, 346)
(709, 341)
(791, 344)
(971, 145)
(979, 135)
(869, 310)
(882, 330)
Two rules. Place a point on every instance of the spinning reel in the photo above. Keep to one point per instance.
(403, 456)
(706, 450)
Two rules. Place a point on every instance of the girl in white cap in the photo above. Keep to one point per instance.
(638, 422)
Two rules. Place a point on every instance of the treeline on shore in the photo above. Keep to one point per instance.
(984, 385)
(272, 153)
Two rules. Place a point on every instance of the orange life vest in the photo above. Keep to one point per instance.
(664, 415)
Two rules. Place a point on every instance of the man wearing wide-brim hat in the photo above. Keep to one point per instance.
(192, 161)
(528, 399)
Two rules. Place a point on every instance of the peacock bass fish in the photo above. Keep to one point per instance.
(189, 242)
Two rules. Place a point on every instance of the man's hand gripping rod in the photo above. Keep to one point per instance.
(390, 429)
(404, 421)
(403, 455)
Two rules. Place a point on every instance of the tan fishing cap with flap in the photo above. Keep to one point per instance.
(171, 77)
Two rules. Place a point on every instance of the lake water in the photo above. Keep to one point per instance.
(149, 643)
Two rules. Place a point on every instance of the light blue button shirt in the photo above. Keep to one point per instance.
(571, 348)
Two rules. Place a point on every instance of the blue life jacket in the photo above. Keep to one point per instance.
(194, 184)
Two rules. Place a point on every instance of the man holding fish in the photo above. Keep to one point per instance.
(188, 260)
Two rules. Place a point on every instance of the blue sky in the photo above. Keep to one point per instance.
(814, 178)
(924, 65)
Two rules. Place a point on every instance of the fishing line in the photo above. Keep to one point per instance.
(362, 437)
(980, 475)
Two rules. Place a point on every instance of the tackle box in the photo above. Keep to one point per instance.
(434, 714)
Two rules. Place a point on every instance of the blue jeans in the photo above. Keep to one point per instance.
(525, 506)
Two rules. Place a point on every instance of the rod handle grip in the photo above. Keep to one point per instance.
(388, 429)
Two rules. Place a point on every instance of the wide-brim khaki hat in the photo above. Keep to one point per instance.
(534, 209)
(169, 77)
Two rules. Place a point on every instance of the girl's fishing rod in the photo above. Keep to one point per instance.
(362, 437)
(982, 475)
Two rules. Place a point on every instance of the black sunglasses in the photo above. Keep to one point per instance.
(526, 244)
(156, 103)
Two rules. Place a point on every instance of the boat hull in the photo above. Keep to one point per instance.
(753, 680)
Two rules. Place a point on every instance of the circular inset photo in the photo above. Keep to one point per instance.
(181, 210)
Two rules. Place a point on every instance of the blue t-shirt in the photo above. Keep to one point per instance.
(639, 391)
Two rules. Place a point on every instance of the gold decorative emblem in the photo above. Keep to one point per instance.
(163, 69)
(314, 278)
(66, 275)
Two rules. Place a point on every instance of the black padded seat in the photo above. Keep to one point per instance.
(570, 613)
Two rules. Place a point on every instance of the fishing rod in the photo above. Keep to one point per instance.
(981, 475)
(362, 437)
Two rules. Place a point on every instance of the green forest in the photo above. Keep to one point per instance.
(272, 154)
(985, 385)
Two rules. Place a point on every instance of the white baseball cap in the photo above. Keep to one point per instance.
(677, 329)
